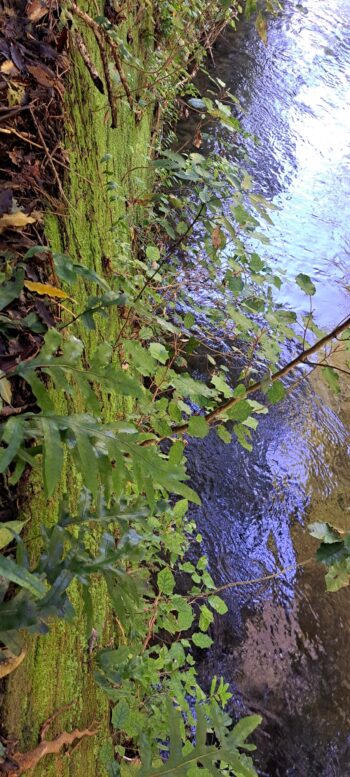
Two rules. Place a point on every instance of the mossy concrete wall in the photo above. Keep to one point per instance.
(57, 669)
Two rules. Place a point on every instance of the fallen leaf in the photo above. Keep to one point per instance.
(45, 77)
(46, 288)
(16, 220)
(36, 9)
(8, 68)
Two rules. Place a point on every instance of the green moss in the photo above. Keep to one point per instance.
(57, 669)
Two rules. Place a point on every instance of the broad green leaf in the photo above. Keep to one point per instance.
(153, 253)
(120, 715)
(166, 581)
(198, 426)
(305, 283)
(338, 576)
(323, 532)
(159, 352)
(205, 618)
(332, 378)
(276, 392)
(218, 604)
(201, 640)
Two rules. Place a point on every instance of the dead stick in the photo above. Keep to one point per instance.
(88, 62)
(98, 30)
(31, 759)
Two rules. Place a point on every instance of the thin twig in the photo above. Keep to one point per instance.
(302, 358)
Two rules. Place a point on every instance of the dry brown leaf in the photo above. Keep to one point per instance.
(17, 220)
(36, 9)
(46, 288)
(45, 77)
(197, 140)
(217, 238)
(8, 68)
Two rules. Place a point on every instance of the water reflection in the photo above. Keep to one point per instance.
(285, 644)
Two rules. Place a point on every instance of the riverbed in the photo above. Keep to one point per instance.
(284, 645)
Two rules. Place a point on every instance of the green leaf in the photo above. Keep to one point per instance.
(305, 283)
(198, 426)
(88, 460)
(52, 455)
(14, 431)
(332, 378)
(201, 640)
(153, 253)
(166, 581)
(120, 715)
(159, 352)
(240, 411)
(206, 617)
(223, 433)
(244, 728)
(276, 392)
(7, 529)
(338, 576)
(218, 604)
(323, 532)
(21, 576)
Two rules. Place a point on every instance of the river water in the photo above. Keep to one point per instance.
(284, 645)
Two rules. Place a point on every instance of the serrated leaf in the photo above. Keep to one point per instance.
(166, 581)
(218, 604)
(198, 426)
(223, 433)
(332, 378)
(276, 392)
(201, 640)
(159, 352)
(120, 715)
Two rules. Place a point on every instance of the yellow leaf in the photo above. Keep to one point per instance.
(16, 220)
(5, 390)
(261, 28)
(46, 288)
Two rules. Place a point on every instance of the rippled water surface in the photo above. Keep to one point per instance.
(285, 644)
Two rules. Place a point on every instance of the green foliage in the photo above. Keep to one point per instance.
(334, 552)
(194, 756)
